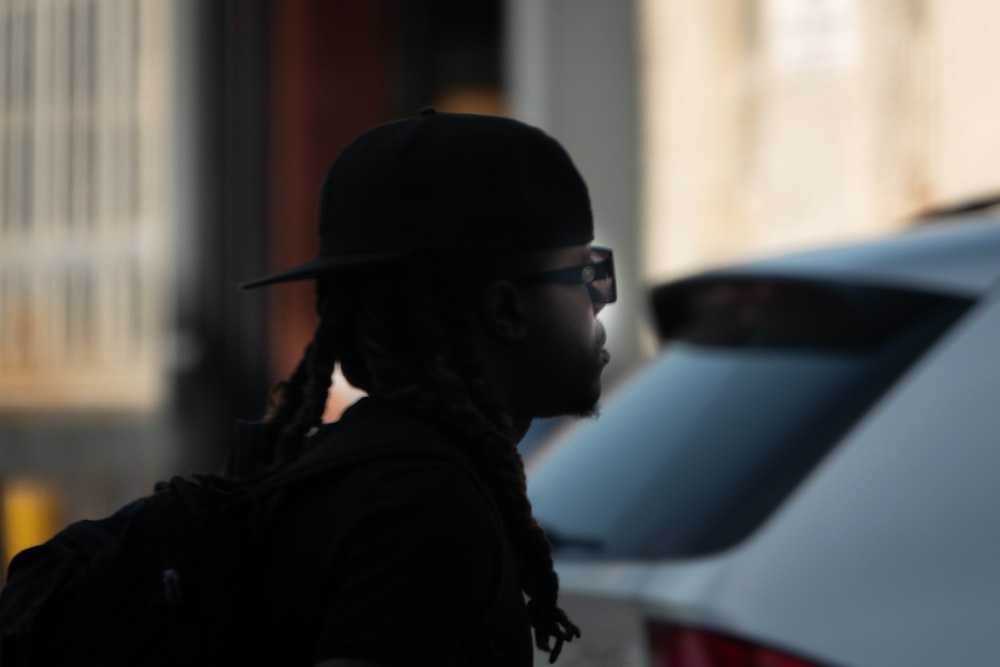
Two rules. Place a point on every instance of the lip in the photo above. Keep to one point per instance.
(602, 341)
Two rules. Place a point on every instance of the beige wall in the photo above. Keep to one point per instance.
(87, 234)
(777, 124)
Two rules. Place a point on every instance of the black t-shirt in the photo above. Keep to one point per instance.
(401, 558)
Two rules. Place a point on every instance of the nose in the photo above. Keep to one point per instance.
(602, 335)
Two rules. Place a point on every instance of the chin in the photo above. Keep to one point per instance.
(592, 410)
(578, 405)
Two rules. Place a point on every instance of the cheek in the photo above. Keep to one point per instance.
(570, 328)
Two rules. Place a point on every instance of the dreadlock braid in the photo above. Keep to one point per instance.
(434, 369)
(297, 404)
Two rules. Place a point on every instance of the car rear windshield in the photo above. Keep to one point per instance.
(757, 381)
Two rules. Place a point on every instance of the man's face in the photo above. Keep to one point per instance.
(564, 351)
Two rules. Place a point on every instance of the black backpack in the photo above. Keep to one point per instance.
(171, 578)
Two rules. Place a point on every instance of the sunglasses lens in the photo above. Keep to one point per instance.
(603, 289)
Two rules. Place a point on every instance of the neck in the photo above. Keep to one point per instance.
(498, 373)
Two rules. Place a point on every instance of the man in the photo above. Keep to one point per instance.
(457, 286)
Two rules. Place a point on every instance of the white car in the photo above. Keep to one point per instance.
(808, 475)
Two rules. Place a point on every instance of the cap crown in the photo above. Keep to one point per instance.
(453, 181)
(445, 181)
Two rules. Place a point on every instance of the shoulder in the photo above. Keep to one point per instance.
(424, 489)
(395, 448)
(378, 461)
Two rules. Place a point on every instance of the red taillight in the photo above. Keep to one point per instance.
(678, 646)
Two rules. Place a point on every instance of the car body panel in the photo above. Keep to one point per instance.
(606, 604)
(888, 552)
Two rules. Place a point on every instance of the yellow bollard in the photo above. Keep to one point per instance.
(30, 515)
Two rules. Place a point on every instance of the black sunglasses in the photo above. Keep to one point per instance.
(598, 275)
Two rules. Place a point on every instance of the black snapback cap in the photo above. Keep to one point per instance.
(445, 181)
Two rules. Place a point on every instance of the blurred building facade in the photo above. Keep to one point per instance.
(155, 153)
(86, 253)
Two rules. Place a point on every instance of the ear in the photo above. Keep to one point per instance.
(502, 311)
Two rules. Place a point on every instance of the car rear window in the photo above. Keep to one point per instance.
(757, 381)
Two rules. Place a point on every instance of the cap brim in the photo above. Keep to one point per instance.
(322, 265)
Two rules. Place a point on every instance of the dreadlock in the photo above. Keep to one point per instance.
(297, 404)
(404, 334)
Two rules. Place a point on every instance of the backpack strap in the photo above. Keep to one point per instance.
(248, 445)
(347, 444)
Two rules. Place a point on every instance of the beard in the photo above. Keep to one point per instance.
(578, 404)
